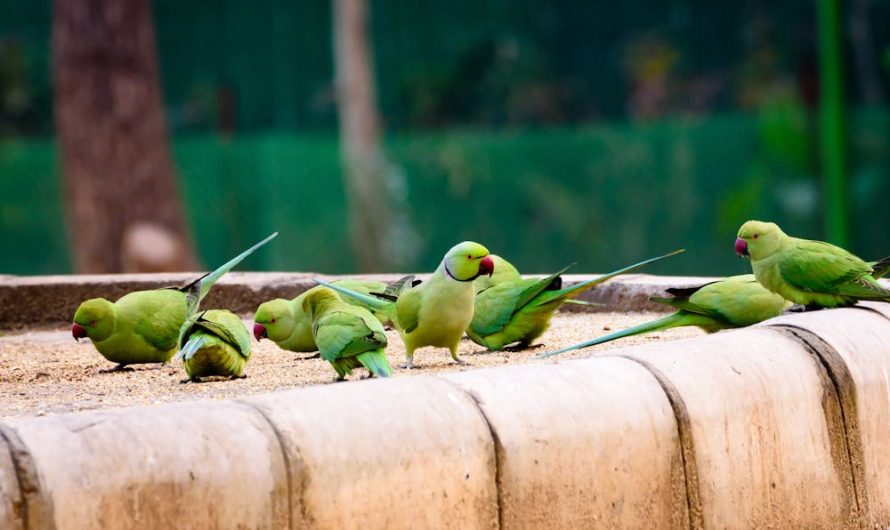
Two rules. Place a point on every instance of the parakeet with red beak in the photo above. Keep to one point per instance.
(810, 273)
(438, 311)
(144, 326)
(348, 336)
(214, 342)
(286, 324)
(733, 302)
(518, 311)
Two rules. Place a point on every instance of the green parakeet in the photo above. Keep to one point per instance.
(519, 310)
(810, 273)
(348, 336)
(287, 325)
(734, 302)
(143, 326)
(438, 311)
(214, 342)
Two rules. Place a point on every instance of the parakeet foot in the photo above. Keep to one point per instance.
(316, 356)
(242, 376)
(458, 360)
(409, 365)
(523, 347)
(188, 380)
(118, 368)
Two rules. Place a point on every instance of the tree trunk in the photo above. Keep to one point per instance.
(381, 235)
(122, 197)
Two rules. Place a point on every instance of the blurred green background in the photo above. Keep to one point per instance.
(551, 131)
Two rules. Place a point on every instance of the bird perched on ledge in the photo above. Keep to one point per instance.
(143, 326)
(214, 342)
(286, 324)
(734, 302)
(438, 311)
(519, 310)
(348, 336)
(811, 273)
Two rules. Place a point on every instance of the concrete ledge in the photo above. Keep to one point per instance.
(202, 465)
(11, 506)
(587, 444)
(854, 345)
(52, 300)
(768, 444)
(408, 453)
(783, 425)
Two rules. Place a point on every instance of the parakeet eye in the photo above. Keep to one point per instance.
(92, 323)
(469, 256)
(272, 321)
(756, 236)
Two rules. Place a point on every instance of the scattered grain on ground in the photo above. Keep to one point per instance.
(46, 372)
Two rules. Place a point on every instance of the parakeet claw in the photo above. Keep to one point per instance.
(316, 356)
(187, 380)
(409, 365)
(523, 347)
(460, 361)
(233, 377)
(118, 368)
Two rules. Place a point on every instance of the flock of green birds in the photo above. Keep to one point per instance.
(472, 293)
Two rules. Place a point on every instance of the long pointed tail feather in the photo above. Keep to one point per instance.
(575, 290)
(671, 321)
(368, 300)
(198, 289)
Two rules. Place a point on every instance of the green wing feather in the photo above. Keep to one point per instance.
(495, 306)
(342, 333)
(228, 327)
(408, 310)
(816, 266)
(156, 315)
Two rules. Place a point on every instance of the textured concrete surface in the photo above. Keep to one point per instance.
(412, 453)
(854, 345)
(767, 441)
(29, 301)
(47, 372)
(783, 425)
(582, 444)
(10, 494)
(200, 465)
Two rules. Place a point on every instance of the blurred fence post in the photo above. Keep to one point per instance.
(832, 124)
(381, 235)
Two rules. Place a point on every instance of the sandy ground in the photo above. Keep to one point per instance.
(46, 372)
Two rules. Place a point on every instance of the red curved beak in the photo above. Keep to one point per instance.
(486, 266)
(741, 248)
(259, 331)
(78, 332)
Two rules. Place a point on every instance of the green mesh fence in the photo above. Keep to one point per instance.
(598, 195)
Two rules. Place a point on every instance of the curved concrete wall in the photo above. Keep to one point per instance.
(783, 425)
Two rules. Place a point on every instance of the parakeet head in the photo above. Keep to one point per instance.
(504, 272)
(467, 261)
(274, 320)
(94, 319)
(316, 298)
(758, 240)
